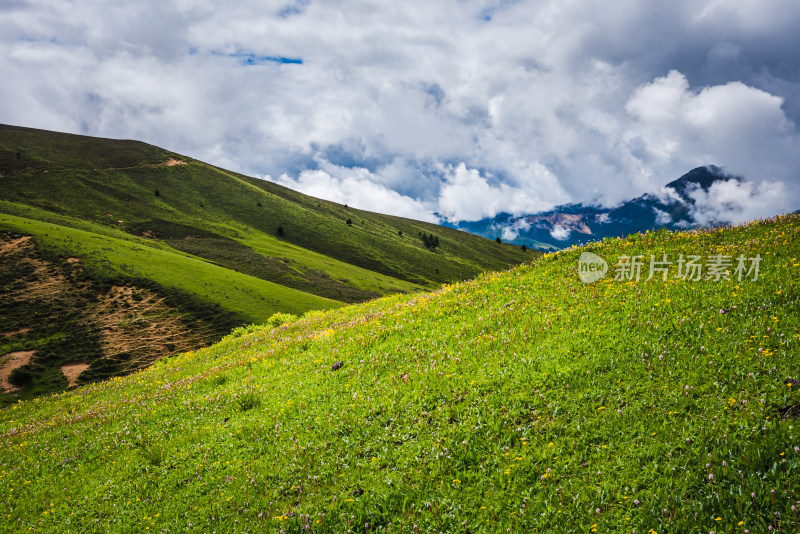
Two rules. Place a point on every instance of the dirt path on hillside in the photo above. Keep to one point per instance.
(171, 162)
(8, 363)
(72, 370)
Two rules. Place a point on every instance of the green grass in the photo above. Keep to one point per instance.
(113, 257)
(256, 249)
(337, 270)
(125, 185)
(63, 311)
(522, 401)
(205, 237)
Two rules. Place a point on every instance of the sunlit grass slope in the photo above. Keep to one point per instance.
(323, 248)
(116, 255)
(523, 401)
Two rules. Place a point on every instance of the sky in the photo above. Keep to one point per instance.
(436, 110)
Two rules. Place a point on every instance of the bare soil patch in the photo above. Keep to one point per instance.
(19, 332)
(13, 245)
(122, 328)
(8, 363)
(139, 324)
(171, 162)
(72, 370)
(44, 280)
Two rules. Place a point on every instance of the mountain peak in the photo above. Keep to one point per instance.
(701, 177)
(572, 224)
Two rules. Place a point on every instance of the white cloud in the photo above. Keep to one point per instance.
(739, 125)
(737, 202)
(357, 188)
(560, 232)
(667, 195)
(468, 196)
(662, 217)
(512, 231)
(546, 102)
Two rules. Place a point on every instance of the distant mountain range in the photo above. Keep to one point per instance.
(574, 224)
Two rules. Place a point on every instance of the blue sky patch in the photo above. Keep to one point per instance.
(249, 58)
(295, 8)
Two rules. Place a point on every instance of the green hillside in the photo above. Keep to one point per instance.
(216, 249)
(121, 256)
(522, 401)
(233, 220)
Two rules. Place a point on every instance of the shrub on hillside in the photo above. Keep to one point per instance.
(242, 330)
(220, 380)
(430, 241)
(278, 319)
(21, 376)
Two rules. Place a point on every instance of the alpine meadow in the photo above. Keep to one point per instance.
(451, 267)
(521, 401)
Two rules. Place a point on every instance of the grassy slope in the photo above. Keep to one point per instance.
(113, 183)
(208, 237)
(524, 400)
(111, 256)
(52, 307)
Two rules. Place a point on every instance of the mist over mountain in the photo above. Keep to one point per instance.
(704, 196)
